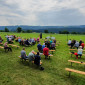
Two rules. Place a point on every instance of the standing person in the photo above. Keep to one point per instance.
(80, 50)
(40, 35)
(39, 46)
(82, 44)
(23, 54)
(6, 47)
(37, 59)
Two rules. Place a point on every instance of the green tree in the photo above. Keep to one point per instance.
(46, 31)
(73, 32)
(19, 29)
(6, 29)
(29, 31)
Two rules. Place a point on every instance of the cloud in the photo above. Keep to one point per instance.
(42, 12)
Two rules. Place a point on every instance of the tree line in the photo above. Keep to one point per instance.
(19, 29)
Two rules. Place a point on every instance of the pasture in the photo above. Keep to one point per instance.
(14, 72)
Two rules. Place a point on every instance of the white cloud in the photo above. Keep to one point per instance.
(27, 11)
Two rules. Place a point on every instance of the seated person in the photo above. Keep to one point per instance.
(43, 46)
(46, 51)
(80, 51)
(33, 41)
(76, 44)
(82, 44)
(38, 40)
(10, 40)
(6, 47)
(51, 41)
(31, 56)
(48, 44)
(37, 59)
(39, 46)
(69, 42)
(23, 54)
(53, 45)
(55, 41)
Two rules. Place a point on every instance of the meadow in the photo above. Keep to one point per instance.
(14, 72)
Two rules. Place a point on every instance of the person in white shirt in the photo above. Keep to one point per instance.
(80, 51)
(76, 44)
(69, 42)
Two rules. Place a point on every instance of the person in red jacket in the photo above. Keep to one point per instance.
(82, 44)
(46, 51)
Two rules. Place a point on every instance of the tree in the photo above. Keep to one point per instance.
(29, 31)
(73, 32)
(19, 29)
(6, 29)
(46, 31)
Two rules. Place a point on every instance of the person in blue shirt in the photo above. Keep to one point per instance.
(43, 46)
(39, 46)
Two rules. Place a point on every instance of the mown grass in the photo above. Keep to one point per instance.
(14, 72)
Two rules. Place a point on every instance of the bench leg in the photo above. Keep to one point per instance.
(71, 63)
(69, 73)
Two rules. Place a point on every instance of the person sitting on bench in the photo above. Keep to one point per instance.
(37, 59)
(46, 51)
(39, 47)
(31, 56)
(76, 44)
(23, 54)
(53, 45)
(6, 47)
(80, 50)
(82, 44)
(69, 42)
(43, 46)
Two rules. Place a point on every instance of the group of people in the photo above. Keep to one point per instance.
(10, 38)
(25, 41)
(32, 56)
(74, 43)
(79, 45)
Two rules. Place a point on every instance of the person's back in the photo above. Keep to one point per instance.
(43, 46)
(77, 44)
(23, 54)
(82, 44)
(53, 45)
(80, 51)
(46, 51)
(37, 60)
(31, 56)
(39, 46)
(69, 42)
(51, 41)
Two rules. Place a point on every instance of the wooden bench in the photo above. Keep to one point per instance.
(52, 51)
(75, 71)
(1, 43)
(73, 54)
(72, 61)
(14, 45)
(75, 50)
(1, 47)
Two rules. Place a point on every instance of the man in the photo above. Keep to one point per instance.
(40, 35)
(39, 46)
(43, 46)
(46, 51)
(82, 44)
(23, 54)
(37, 59)
(76, 44)
(69, 42)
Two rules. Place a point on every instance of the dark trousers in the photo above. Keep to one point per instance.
(9, 49)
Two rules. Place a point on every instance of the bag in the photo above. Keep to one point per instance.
(42, 68)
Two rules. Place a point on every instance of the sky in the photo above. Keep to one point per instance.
(42, 12)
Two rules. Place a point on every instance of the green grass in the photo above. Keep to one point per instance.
(14, 72)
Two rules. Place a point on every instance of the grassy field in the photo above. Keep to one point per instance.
(14, 72)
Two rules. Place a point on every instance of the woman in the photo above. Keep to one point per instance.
(80, 50)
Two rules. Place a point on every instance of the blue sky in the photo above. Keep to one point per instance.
(42, 12)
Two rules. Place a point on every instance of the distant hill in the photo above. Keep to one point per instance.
(55, 29)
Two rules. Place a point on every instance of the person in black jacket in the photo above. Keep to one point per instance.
(37, 59)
